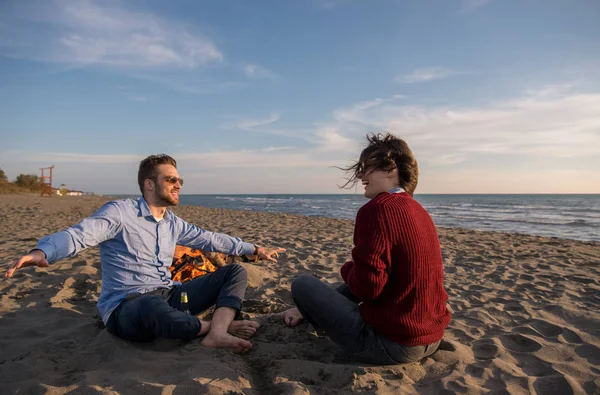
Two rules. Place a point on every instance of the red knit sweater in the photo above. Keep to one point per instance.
(397, 270)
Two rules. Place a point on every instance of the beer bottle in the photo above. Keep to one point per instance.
(184, 303)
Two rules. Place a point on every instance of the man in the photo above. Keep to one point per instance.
(137, 238)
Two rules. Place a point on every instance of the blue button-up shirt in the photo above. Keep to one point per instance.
(136, 250)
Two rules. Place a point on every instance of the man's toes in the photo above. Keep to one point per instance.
(246, 333)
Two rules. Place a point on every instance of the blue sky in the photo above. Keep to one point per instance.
(269, 96)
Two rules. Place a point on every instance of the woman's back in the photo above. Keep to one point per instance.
(398, 249)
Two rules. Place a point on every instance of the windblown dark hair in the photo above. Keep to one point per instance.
(149, 165)
(385, 153)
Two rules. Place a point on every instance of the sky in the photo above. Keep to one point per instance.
(272, 96)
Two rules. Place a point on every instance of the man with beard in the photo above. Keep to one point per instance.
(137, 238)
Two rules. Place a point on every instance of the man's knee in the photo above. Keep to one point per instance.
(237, 271)
(303, 285)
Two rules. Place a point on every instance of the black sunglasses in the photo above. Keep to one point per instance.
(171, 180)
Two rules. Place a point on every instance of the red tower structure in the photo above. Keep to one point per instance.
(46, 185)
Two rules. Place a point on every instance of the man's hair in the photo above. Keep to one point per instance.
(149, 165)
(386, 153)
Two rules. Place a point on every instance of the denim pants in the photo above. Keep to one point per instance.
(336, 311)
(143, 317)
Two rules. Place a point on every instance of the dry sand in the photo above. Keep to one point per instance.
(526, 316)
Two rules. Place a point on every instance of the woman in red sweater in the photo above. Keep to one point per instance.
(392, 306)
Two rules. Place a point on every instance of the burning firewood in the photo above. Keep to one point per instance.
(189, 263)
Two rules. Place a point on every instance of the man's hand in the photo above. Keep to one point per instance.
(269, 254)
(35, 257)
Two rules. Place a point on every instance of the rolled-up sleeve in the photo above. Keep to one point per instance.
(195, 237)
(104, 224)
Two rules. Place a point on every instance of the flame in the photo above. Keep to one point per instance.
(189, 263)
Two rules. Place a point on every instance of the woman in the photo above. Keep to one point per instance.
(392, 306)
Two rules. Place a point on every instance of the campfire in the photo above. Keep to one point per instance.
(189, 263)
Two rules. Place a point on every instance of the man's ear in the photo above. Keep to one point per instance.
(149, 185)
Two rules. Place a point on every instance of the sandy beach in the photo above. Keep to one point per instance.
(526, 316)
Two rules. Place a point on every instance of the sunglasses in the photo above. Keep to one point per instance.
(171, 180)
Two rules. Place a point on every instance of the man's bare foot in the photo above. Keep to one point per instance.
(291, 317)
(243, 329)
(226, 341)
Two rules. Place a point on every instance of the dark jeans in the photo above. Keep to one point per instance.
(336, 311)
(143, 317)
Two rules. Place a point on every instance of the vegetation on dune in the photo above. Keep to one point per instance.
(24, 183)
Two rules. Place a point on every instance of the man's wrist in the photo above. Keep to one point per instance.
(42, 251)
(255, 250)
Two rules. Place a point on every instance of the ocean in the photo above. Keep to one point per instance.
(566, 216)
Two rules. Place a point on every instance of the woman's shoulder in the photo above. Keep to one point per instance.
(391, 203)
(382, 201)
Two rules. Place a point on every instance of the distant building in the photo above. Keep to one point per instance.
(64, 191)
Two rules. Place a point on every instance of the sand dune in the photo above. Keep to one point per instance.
(526, 316)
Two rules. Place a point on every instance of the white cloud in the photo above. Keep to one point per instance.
(253, 124)
(260, 125)
(340, 134)
(424, 74)
(553, 122)
(268, 170)
(543, 140)
(258, 72)
(108, 34)
(42, 158)
(264, 125)
(265, 157)
(330, 139)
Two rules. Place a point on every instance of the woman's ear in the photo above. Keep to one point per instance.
(392, 175)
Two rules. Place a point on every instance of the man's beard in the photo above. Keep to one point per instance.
(167, 199)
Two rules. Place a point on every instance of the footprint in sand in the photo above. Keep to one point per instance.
(525, 330)
(546, 328)
(570, 337)
(557, 384)
(446, 346)
(486, 349)
(519, 343)
(534, 366)
(589, 352)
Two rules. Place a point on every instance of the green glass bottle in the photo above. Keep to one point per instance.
(184, 303)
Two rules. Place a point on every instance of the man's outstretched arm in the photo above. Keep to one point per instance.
(100, 226)
(195, 237)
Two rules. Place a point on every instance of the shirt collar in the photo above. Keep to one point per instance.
(396, 190)
(145, 210)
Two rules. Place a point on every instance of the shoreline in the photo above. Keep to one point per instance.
(184, 207)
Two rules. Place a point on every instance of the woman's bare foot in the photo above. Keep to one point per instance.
(291, 317)
(226, 341)
(243, 329)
